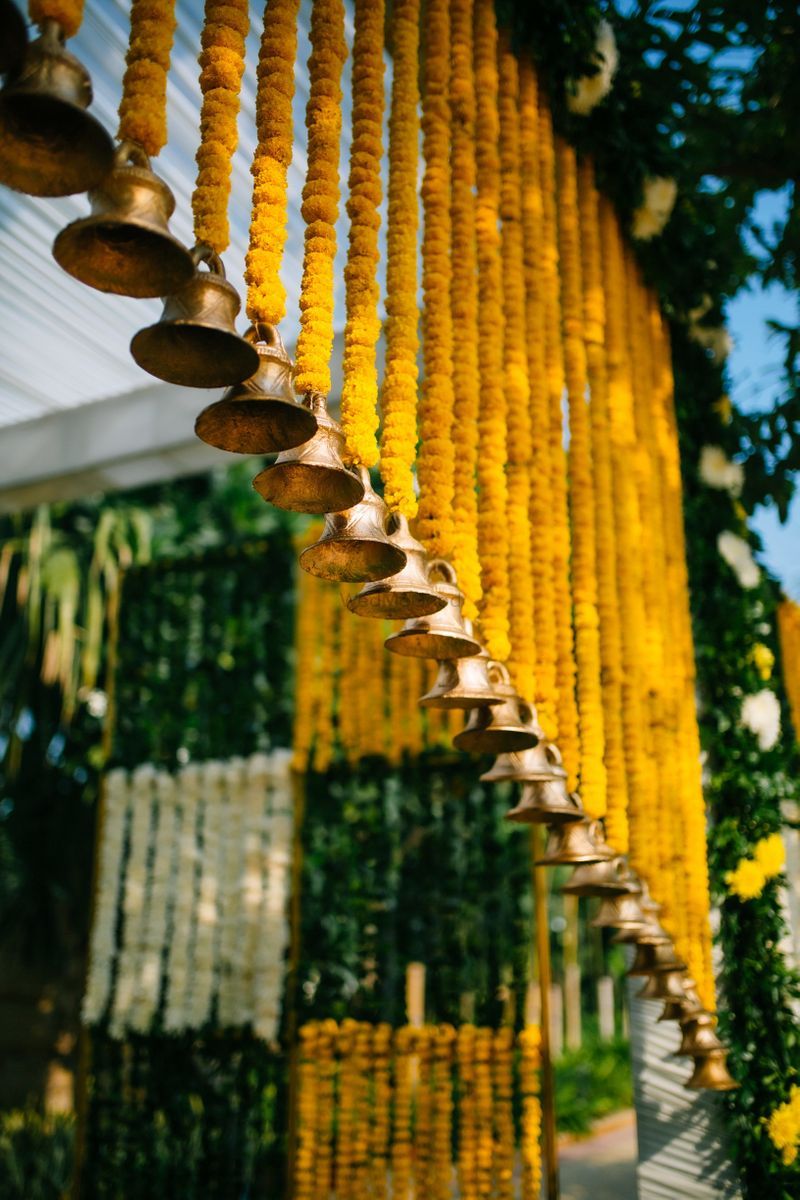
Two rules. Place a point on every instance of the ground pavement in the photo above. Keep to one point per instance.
(602, 1166)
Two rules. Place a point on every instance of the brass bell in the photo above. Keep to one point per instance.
(620, 912)
(442, 634)
(535, 765)
(261, 415)
(672, 1011)
(685, 1009)
(49, 144)
(405, 595)
(496, 728)
(610, 877)
(577, 842)
(462, 683)
(547, 803)
(663, 985)
(195, 343)
(312, 477)
(13, 38)
(699, 1036)
(652, 932)
(354, 546)
(711, 1072)
(659, 957)
(125, 245)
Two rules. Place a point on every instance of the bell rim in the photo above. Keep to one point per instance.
(263, 407)
(146, 344)
(451, 645)
(542, 816)
(460, 703)
(70, 239)
(497, 741)
(370, 605)
(268, 485)
(87, 171)
(369, 549)
(573, 860)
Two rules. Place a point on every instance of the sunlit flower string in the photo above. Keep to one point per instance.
(143, 107)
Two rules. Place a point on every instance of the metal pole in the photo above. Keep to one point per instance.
(549, 1151)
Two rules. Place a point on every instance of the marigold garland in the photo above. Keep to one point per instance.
(464, 306)
(502, 1072)
(306, 1103)
(467, 1115)
(326, 1109)
(435, 459)
(492, 489)
(399, 392)
(401, 1125)
(320, 206)
(541, 505)
(423, 1112)
(363, 326)
(594, 318)
(221, 68)
(515, 372)
(530, 1041)
(143, 107)
(68, 14)
(442, 1090)
(565, 650)
(789, 631)
(266, 295)
(581, 492)
(484, 1148)
(380, 1122)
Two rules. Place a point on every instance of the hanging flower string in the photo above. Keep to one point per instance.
(266, 294)
(399, 394)
(435, 412)
(143, 107)
(362, 327)
(221, 69)
(321, 196)
(789, 630)
(464, 306)
(68, 14)
(492, 489)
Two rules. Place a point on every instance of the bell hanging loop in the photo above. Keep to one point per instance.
(312, 477)
(441, 634)
(408, 593)
(13, 39)
(125, 246)
(547, 803)
(261, 415)
(711, 1073)
(354, 546)
(49, 143)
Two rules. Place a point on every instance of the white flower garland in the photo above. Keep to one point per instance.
(109, 876)
(198, 1007)
(230, 942)
(717, 471)
(585, 93)
(183, 908)
(761, 714)
(154, 932)
(274, 924)
(658, 200)
(739, 557)
(135, 897)
(255, 833)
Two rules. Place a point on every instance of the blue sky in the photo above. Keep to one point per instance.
(754, 374)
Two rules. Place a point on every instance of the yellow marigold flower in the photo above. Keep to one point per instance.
(764, 660)
(783, 1127)
(68, 14)
(770, 854)
(747, 880)
(143, 107)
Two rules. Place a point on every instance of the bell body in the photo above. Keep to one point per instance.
(672, 1011)
(547, 803)
(408, 593)
(663, 985)
(442, 634)
(699, 1037)
(13, 39)
(261, 415)
(577, 842)
(312, 477)
(354, 547)
(462, 683)
(618, 912)
(711, 1072)
(498, 728)
(608, 878)
(538, 764)
(651, 958)
(49, 144)
(195, 343)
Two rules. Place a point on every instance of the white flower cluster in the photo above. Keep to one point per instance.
(658, 201)
(585, 94)
(761, 714)
(197, 865)
(714, 338)
(739, 557)
(717, 471)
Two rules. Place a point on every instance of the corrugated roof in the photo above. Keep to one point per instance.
(64, 344)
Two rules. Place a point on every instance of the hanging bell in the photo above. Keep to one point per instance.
(312, 477)
(711, 1073)
(610, 877)
(125, 245)
(672, 1011)
(659, 957)
(663, 985)
(547, 803)
(685, 1009)
(406, 594)
(652, 932)
(619, 912)
(538, 764)
(462, 683)
(261, 415)
(577, 842)
(497, 728)
(49, 144)
(442, 634)
(354, 546)
(195, 342)
(13, 38)
(699, 1036)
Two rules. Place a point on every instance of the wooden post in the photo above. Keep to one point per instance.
(556, 1021)
(415, 993)
(549, 1150)
(572, 974)
(605, 1007)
